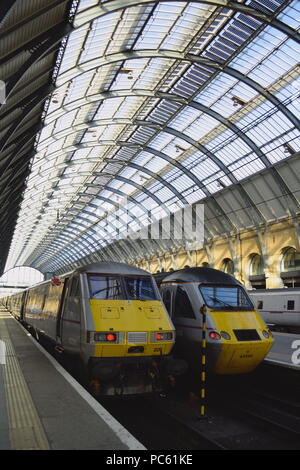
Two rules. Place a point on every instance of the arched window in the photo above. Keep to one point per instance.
(19, 278)
(228, 266)
(257, 276)
(290, 260)
(290, 268)
(256, 265)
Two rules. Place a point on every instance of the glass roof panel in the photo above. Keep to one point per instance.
(209, 121)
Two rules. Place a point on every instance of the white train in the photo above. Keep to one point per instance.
(280, 308)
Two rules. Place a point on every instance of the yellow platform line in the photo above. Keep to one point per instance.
(25, 427)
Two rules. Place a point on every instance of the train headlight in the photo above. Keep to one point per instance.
(225, 335)
(111, 337)
(105, 337)
(265, 334)
(162, 336)
(214, 335)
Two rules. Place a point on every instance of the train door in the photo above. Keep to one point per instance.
(22, 306)
(167, 299)
(61, 309)
(70, 319)
(188, 329)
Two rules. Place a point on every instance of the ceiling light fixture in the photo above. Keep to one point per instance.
(238, 101)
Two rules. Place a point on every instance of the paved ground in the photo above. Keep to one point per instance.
(42, 407)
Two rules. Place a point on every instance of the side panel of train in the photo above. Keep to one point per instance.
(182, 303)
(278, 306)
(41, 308)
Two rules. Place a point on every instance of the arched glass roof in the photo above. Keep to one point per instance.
(164, 104)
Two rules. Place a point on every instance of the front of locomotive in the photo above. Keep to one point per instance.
(128, 335)
(236, 330)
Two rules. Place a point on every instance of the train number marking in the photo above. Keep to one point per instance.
(296, 354)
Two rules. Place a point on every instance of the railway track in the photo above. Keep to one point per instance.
(153, 424)
(242, 413)
(257, 411)
(173, 424)
(277, 413)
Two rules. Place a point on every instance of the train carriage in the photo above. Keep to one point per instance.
(237, 338)
(280, 308)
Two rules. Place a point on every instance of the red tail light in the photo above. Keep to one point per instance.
(214, 335)
(111, 337)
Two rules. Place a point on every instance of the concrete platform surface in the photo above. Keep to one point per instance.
(43, 407)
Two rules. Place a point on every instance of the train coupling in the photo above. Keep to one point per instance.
(176, 367)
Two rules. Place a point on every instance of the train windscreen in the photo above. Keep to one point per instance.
(225, 297)
(106, 287)
(121, 287)
(140, 288)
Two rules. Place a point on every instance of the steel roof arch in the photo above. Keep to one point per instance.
(115, 5)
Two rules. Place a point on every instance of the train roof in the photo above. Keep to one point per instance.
(281, 290)
(205, 275)
(105, 267)
(112, 267)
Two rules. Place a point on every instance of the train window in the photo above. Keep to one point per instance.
(183, 306)
(260, 304)
(36, 299)
(53, 299)
(140, 288)
(225, 297)
(105, 287)
(74, 292)
(291, 305)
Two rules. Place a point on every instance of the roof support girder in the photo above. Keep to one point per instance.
(109, 7)
(5, 7)
(174, 55)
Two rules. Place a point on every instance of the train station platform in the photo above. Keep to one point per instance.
(42, 407)
(285, 351)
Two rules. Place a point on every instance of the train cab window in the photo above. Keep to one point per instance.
(183, 306)
(290, 304)
(140, 288)
(225, 297)
(260, 304)
(105, 287)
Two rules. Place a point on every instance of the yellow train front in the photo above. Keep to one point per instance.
(108, 320)
(129, 333)
(236, 336)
